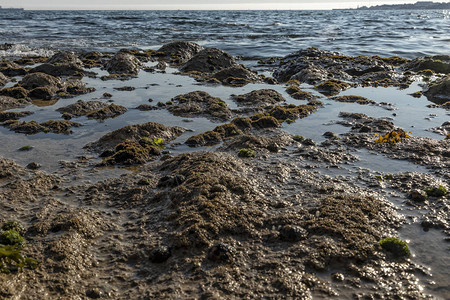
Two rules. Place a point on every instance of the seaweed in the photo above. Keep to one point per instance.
(12, 259)
(395, 246)
(436, 191)
(393, 137)
(247, 152)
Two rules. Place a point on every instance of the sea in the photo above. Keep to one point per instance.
(247, 34)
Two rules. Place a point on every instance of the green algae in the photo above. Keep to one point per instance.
(396, 247)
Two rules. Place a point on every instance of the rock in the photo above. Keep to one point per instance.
(11, 69)
(297, 93)
(236, 76)
(439, 92)
(332, 87)
(438, 64)
(59, 70)
(123, 63)
(354, 99)
(200, 104)
(33, 166)
(42, 93)
(64, 57)
(179, 52)
(259, 98)
(135, 133)
(209, 60)
(110, 111)
(311, 75)
(3, 79)
(82, 108)
(15, 92)
(10, 103)
(34, 127)
(35, 80)
(418, 195)
(220, 253)
(160, 254)
(292, 233)
(13, 115)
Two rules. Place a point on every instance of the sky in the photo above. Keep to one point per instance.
(196, 4)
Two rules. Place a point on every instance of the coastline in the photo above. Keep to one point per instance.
(215, 197)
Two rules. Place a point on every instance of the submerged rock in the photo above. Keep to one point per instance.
(12, 115)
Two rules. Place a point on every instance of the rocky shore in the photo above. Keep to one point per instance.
(241, 209)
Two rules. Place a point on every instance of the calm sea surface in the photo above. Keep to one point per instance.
(243, 33)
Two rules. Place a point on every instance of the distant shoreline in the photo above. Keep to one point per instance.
(420, 5)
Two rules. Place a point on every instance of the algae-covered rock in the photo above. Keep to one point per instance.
(134, 133)
(236, 76)
(123, 63)
(200, 104)
(3, 79)
(35, 80)
(332, 87)
(209, 60)
(180, 51)
(438, 64)
(13, 115)
(34, 127)
(59, 69)
(14, 92)
(64, 57)
(259, 98)
(439, 91)
(10, 103)
(93, 109)
(297, 93)
(354, 99)
(11, 69)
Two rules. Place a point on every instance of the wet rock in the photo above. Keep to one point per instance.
(125, 88)
(123, 63)
(438, 64)
(439, 92)
(11, 69)
(179, 52)
(332, 87)
(10, 103)
(297, 93)
(4, 116)
(42, 93)
(220, 253)
(76, 87)
(3, 79)
(209, 60)
(259, 98)
(135, 133)
(82, 108)
(146, 107)
(266, 122)
(34, 127)
(293, 233)
(160, 254)
(59, 70)
(37, 80)
(15, 92)
(354, 99)
(33, 166)
(291, 112)
(64, 57)
(418, 195)
(93, 109)
(236, 76)
(200, 104)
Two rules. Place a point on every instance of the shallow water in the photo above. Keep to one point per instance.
(242, 33)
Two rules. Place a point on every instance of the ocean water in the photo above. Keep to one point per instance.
(249, 34)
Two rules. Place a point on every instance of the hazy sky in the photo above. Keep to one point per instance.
(195, 4)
